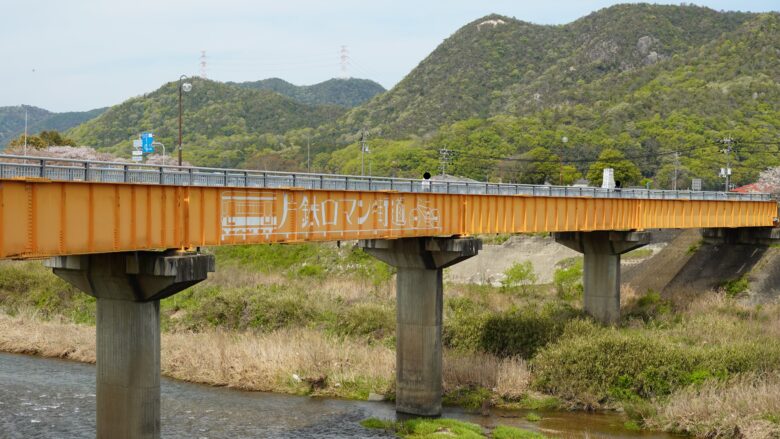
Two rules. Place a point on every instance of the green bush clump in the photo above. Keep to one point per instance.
(607, 364)
(522, 332)
(365, 320)
(593, 365)
(736, 287)
(520, 274)
(464, 324)
(264, 307)
(30, 285)
(648, 307)
(568, 280)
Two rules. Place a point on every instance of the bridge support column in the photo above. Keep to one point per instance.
(601, 270)
(128, 288)
(419, 301)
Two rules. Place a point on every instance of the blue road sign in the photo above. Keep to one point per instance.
(146, 143)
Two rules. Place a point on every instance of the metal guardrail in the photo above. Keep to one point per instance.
(14, 166)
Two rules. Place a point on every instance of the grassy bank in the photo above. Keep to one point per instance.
(316, 319)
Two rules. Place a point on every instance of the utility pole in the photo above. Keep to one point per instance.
(363, 151)
(308, 153)
(25, 131)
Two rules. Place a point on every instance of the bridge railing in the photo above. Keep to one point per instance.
(13, 166)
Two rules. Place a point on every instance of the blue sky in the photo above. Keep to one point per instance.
(81, 54)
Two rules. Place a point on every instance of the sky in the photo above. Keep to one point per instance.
(76, 55)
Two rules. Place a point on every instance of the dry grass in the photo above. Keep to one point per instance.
(745, 406)
(27, 334)
(267, 362)
(508, 377)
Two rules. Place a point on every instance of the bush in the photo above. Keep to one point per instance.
(366, 320)
(568, 280)
(648, 307)
(264, 307)
(523, 332)
(464, 324)
(593, 365)
(608, 364)
(736, 287)
(520, 274)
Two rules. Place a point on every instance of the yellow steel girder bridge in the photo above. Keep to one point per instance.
(129, 234)
(51, 208)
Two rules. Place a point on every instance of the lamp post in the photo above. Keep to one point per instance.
(163, 147)
(183, 87)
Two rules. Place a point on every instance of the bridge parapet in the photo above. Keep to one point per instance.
(56, 169)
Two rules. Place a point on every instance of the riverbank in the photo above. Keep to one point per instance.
(318, 320)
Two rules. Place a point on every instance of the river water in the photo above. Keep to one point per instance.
(49, 398)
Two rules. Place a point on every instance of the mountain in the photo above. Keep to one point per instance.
(223, 124)
(38, 119)
(347, 93)
(501, 65)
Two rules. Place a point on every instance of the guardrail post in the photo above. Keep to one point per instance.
(346, 183)
(322, 186)
(86, 171)
(191, 177)
(162, 181)
(125, 169)
(43, 168)
(295, 182)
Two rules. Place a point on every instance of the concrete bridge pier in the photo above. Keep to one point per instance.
(419, 262)
(601, 270)
(128, 287)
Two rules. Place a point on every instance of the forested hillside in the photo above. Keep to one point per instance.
(649, 89)
(223, 124)
(38, 119)
(661, 105)
(497, 64)
(348, 93)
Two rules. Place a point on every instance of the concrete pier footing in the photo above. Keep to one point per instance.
(128, 288)
(419, 263)
(601, 268)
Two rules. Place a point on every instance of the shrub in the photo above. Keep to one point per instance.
(592, 365)
(464, 324)
(648, 307)
(520, 274)
(366, 320)
(736, 287)
(568, 281)
(522, 332)
(608, 364)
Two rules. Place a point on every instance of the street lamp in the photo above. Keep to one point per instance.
(183, 87)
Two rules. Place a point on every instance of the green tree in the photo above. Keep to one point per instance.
(626, 172)
(539, 166)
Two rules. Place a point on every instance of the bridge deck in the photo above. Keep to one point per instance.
(41, 217)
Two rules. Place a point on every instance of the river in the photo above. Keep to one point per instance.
(49, 398)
